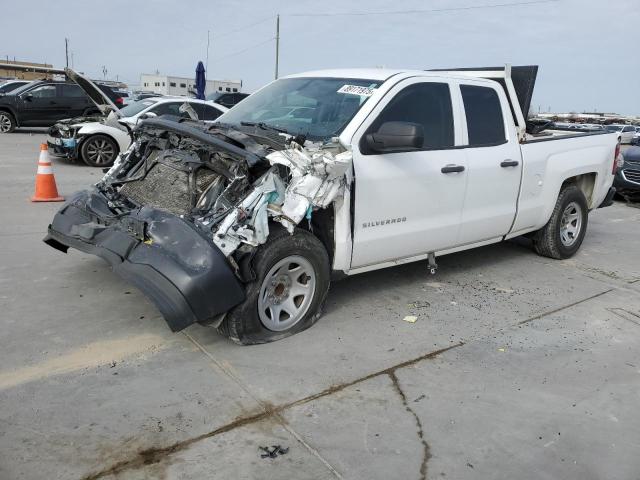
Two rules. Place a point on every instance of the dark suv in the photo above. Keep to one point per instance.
(43, 103)
(227, 99)
(627, 181)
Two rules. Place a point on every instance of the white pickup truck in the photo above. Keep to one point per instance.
(241, 224)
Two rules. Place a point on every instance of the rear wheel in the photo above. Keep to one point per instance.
(292, 281)
(99, 151)
(7, 122)
(563, 234)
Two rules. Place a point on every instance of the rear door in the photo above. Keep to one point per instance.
(405, 204)
(494, 163)
(74, 100)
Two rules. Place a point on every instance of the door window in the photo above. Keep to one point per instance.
(485, 124)
(72, 91)
(171, 108)
(427, 104)
(206, 112)
(46, 91)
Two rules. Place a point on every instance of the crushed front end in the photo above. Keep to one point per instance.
(181, 213)
(62, 137)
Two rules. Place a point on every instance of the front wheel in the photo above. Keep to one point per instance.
(7, 122)
(563, 234)
(292, 281)
(99, 151)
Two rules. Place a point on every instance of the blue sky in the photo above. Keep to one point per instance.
(587, 49)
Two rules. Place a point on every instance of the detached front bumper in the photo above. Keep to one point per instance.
(171, 262)
(63, 147)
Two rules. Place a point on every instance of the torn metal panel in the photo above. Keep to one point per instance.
(317, 177)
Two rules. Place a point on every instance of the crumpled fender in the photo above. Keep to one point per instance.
(170, 261)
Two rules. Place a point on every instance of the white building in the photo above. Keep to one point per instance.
(166, 85)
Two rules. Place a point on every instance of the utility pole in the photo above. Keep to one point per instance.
(277, 43)
(66, 50)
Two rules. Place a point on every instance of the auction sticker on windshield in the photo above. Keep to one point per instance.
(357, 90)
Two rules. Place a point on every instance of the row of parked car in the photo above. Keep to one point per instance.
(627, 134)
(92, 122)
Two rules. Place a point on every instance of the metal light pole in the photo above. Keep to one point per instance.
(66, 50)
(207, 63)
(277, 43)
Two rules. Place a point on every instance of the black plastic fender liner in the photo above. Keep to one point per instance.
(177, 267)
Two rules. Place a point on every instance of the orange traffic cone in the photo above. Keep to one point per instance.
(46, 190)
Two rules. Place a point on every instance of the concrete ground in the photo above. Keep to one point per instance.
(518, 367)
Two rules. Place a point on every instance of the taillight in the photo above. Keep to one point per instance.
(119, 101)
(616, 154)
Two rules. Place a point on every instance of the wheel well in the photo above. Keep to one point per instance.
(585, 182)
(322, 227)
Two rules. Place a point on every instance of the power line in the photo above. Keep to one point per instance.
(404, 12)
(240, 29)
(244, 49)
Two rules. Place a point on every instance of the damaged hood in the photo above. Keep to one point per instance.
(97, 96)
(77, 121)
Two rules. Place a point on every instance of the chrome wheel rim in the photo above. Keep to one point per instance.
(286, 293)
(100, 151)
(5, 123)
(570, 224)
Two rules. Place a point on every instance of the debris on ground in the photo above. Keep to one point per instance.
(410, 318)
(274, 451)
(420, 304)
(504, 290)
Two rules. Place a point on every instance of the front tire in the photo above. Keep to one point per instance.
(7, 122)
(563, 234)
(99, 151)
(292, 282)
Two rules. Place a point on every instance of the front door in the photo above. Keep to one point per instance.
(409, 203)
(40, 106)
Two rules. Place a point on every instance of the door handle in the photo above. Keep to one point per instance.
(452, 169)
(509, 163)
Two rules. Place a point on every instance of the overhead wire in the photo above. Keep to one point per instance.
(414, 11)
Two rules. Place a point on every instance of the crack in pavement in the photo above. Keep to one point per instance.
(265, 406)
(559, 309)
(425, 446)
(155, 455)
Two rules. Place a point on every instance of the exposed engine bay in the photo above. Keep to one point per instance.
(224, 181)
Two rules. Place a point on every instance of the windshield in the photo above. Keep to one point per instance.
(316, 107)
(613, 128)
(136, 107)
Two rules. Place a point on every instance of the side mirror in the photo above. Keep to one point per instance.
(28, 97)
(395, 137)
(144, 116)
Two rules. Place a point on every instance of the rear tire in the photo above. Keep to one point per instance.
(7, 122)
(563, 234)
(99, 151)
(292, 282)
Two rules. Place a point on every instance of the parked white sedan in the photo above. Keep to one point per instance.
(625, 132)
(98, 140)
